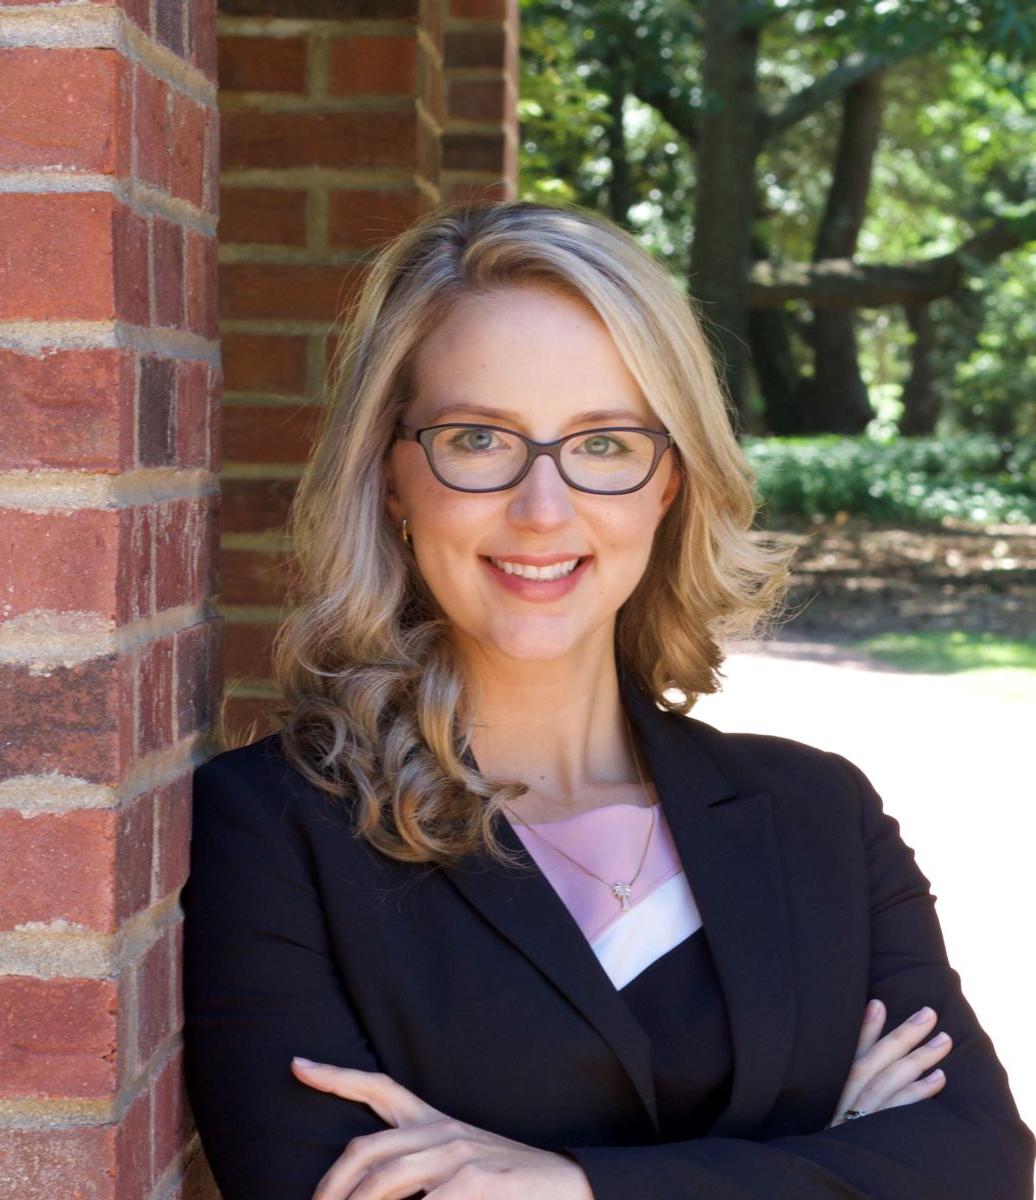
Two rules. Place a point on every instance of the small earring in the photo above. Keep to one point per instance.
(405, 531)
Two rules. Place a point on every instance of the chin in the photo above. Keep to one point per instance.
(531, 645)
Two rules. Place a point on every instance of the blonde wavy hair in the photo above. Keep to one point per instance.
(374, 704)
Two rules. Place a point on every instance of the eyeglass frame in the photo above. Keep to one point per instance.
(663, 441)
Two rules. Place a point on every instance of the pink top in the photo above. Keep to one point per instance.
(608, 841)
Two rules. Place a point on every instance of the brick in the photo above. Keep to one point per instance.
(155, 697)
(62, 270)
(133, 1178)
(212, 161)
(474, 48)
(130, 282)
(67, 109)
(385, 65)
(478, 99)
(264, 362)
(173, 823)
(192, 413)
(75, 719)
(262, 433)
(350, 139)
(286, 290)
(248, 649)
(58, 867)
(262, 64)
(484, 10)
(57, 1037)
(188, 135)
(256, 505)
(172, 1115)
(361, 219)
(263, 216)
(215, 434)
(474, 151)
(157, 411)
(34, 1158)
(201, 36)
(202, 273)
(168, 239)
(135, 581)
(169, 24)
(133, 857)
(198, 652)
(67, 408)
(184, 545)
(153, 115)
(154, 996)
(38, 550)
(253, 577)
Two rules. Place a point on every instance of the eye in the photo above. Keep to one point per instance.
(599, 444)
(472, 440)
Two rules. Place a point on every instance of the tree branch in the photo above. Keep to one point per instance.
(842, 283)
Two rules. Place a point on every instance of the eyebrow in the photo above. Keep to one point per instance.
(598, 414)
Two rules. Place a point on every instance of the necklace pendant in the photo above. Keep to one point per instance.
(622, 892)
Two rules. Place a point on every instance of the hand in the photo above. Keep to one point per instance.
(428, 1150)
(884, 1072)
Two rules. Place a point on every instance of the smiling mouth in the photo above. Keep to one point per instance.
(556, 570)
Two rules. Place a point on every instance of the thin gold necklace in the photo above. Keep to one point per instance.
(621, 891)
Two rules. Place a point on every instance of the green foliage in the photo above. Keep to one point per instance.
(943, 652)
(975, 479)
(959, 124)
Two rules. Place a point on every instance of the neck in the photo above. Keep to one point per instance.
(558, 726)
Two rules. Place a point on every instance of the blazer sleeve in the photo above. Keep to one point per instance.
(967, 1141)
(260, 986)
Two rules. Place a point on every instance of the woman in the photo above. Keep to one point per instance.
(542, 933)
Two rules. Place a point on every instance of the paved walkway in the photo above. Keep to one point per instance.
(952, 756)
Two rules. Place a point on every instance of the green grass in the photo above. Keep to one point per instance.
(941, 653)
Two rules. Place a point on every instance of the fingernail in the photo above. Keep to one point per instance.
(922, 1014)
(937, 1075)
(940, 1039)
(304, 1062)
(873, 1008)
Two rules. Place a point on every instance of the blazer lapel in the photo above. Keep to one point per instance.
(728, 846)
(727, 842)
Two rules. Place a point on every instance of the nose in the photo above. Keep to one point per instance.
(543, 500)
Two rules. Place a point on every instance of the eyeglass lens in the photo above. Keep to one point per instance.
(489, 458)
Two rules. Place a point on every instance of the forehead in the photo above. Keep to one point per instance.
(530, 349)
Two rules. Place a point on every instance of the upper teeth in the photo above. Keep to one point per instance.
(554, 571)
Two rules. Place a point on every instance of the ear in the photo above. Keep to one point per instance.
(393, 504)
(672, 487)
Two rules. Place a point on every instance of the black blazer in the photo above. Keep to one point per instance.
(476, 989)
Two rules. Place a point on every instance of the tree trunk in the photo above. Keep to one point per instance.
(773, 362)
(920, 399)
(725, 193)
(620, 195)
(835, 399)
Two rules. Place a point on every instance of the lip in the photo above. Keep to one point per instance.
(543, 590)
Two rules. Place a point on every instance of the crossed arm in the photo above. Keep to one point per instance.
(260, 986)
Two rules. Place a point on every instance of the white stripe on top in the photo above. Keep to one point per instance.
(647, 930)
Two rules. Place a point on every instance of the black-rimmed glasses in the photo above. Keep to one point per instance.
(489, 458)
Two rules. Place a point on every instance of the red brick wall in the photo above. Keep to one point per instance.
(480, 142)
(335, 136)
(122, 326)
(109, 378)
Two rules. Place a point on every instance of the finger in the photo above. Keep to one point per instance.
(895, 1045)
(374, 1164)
(923, 1089)
(877, 1057)
(393, 1102)
(870, 1029)
(902, 1073)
